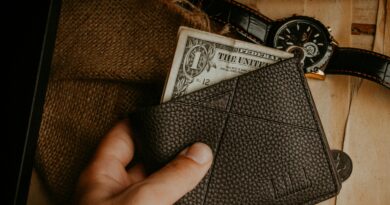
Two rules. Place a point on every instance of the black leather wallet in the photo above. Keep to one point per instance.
(268, 143)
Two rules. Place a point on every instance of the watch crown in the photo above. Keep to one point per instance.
(329, 29)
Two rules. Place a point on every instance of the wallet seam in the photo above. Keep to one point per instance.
(315, 115)
(227, 115)
(244, 115)
(216, 155)
(207, 98)
(218, 94)
(275, 122)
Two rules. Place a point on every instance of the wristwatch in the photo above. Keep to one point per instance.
(302, 35)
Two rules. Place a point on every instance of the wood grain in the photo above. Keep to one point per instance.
(355, 113)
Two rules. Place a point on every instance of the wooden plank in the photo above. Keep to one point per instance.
(354, 112)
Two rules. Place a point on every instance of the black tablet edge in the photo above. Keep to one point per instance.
(34, 121)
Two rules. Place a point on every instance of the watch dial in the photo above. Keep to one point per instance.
(303, 34)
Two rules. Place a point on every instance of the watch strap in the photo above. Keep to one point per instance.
(255, 26)
(361, 63)
(248, 22)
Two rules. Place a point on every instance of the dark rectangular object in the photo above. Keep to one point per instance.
(32, 29)
(265, 133)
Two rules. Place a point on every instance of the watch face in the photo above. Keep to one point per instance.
(310, 38)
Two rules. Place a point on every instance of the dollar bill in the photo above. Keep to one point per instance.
(203, 59)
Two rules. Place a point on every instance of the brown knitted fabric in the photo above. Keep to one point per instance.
(110, 56)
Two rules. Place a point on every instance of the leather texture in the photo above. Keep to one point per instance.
(245, 20)
(361, 63)
(255, 26)
(268, 143)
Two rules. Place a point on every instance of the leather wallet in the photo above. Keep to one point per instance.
(263, 128)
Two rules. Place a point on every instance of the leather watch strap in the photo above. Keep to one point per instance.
(247, 21)
(361, 63)
(255, 26)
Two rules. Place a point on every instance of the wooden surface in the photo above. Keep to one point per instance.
(355, 113)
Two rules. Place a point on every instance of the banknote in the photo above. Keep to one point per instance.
(203, 59)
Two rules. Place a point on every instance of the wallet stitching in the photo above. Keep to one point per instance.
(210, 96)
(230, 102)
(227, 114)
(216, 155)
(273, 121)
(244, 115)
(217, 95)
(321, 132)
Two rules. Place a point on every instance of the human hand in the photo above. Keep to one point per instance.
(107, 181)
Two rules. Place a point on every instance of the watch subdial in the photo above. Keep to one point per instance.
(311, 49)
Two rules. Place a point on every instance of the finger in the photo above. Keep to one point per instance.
(136, 173)
(117, 145)
(178, 177)
(108, 166)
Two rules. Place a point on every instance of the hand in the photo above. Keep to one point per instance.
(107, 181)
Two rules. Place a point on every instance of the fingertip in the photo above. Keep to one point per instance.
(199, 152)
(121, 127)
(180, 175)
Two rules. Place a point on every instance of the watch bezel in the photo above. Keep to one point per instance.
(320, 65)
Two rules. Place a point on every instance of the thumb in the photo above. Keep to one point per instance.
(180, 176)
